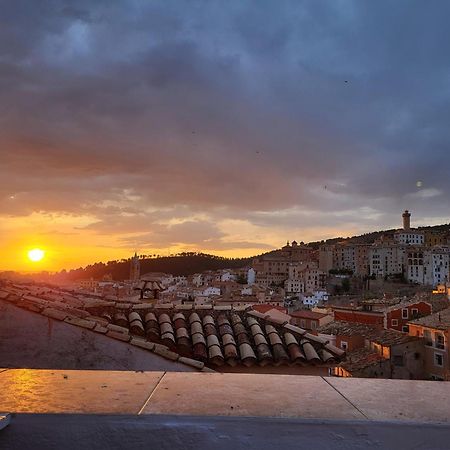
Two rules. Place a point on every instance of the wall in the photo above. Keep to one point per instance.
(29, 340)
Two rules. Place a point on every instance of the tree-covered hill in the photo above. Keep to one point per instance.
(180, 264)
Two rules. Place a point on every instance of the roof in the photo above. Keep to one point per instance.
(438, 302)
(439, 320)
(343, 328)
(204, 335)
(361, 359)
(374, 334)
(307, 314)
(264, 307)
(392, 337)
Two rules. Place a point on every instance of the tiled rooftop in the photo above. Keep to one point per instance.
(205, 335)
(307, 314)
(375, 334)
(439, 320)
(392, 337)
(342, 328)
(360, 359)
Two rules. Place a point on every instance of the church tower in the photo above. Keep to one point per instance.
(135, 268)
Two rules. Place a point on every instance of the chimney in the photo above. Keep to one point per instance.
(406, 220)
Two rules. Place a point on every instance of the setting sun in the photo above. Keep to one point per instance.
(36, 254)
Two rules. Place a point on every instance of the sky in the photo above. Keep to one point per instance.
(223, 127)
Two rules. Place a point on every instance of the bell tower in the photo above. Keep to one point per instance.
(406, 220)
(135, 268)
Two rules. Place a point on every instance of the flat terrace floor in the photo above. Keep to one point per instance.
(107, 409)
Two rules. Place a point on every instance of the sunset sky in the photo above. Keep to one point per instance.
(224, 127)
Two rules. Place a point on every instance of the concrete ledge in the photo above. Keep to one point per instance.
(218, 394)
(220, 433)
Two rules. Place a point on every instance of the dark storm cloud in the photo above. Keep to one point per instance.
(121, 110)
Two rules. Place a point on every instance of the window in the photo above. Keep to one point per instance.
(438, 360)
(344, 345)
(415, 312)
(394, 322)
(405, 329)
(439, 339)
(404, 313)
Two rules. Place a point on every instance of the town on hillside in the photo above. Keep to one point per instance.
(347, 309)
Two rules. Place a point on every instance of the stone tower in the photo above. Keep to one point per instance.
(135, 268)
(406, 220)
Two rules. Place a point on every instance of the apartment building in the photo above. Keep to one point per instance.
(387, 259)
(304, 277)
(435, 330)
(428, 266)
(273, 268)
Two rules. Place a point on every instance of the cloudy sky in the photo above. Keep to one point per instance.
(227, 127)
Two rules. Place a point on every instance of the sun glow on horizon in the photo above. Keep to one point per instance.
(36, 255)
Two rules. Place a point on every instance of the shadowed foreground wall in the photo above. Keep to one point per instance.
(29, 340)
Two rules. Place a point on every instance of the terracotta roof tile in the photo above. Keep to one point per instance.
(215, 336)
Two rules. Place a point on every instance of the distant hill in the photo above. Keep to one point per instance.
(370, 238)
(182, 264)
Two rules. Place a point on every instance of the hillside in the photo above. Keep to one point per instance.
(370, 238)
(182, 264)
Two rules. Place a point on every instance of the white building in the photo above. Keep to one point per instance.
(314, 299)
(198, 280)
(410, 237)
(251, 276)
(387, 259)
(210, 291)
(430, 266)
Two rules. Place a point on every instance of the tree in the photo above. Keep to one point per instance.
(346, 285)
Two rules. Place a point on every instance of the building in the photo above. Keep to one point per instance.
(435, 237)
(410, 237)
(273, 268)
(435, 331)
(352, 257)
(312, 300)
(407, 235)
(88, 284)
(437, 266)
(398, 316)
(310, 320)
(428, 266)
(376, 353)
(251, 276)
(387, 259)
(406, 220)
(326, 258)
(304, 277)
(363, 315)
(135, 268)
